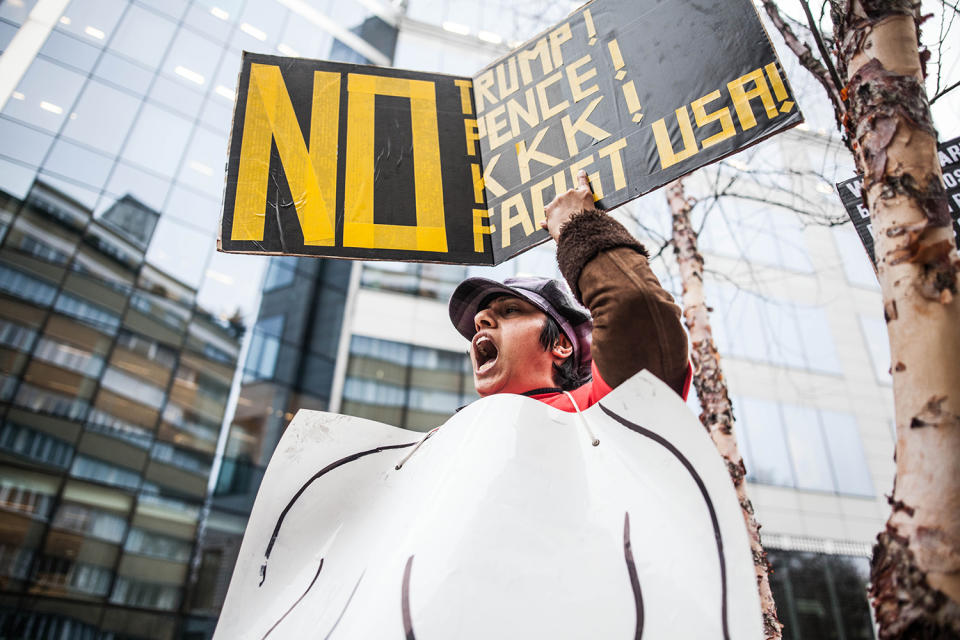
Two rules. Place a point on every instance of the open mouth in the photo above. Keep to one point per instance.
(485, 353)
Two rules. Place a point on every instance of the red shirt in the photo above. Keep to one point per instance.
(589, 394)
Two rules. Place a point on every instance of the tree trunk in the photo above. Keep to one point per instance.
(717, 414)
(916, 561)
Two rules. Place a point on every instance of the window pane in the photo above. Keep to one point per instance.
(817, 339)
(846, 453)
(122, 73)
(806, 448)
(878, 344)
(45, 95)
(176, 96)
(92, 20)
(68, 159)
(69, 51)
(193, 58)
(280, 273)
(856, 263)
(143, 36)
(158, 140)
(103, 117)
(181, 252)
(147, 190)
(16, 12)
(761, 420)
(204, 162)
(23, 144)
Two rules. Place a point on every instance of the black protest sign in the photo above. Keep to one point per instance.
(850, 196)
(352, 161)
(635, 93)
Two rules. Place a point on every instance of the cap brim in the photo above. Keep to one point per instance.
(467, 298)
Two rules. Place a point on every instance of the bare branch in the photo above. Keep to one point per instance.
(818, 38)
(807, 59)
(944, 92)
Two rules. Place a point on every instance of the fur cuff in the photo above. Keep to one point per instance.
(586, 234)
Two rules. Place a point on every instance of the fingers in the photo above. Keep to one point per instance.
(582, 179)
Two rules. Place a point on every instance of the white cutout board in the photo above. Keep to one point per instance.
(506, 523)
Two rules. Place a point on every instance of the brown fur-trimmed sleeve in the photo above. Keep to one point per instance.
(586, 234)
(636, 324)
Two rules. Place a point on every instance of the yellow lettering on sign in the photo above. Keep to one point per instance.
(703, 118)
(776, 81)
(359, 229)
(559, 35)
(576, 81)
(480, 229)
(539, 51)
(506, 86)
(582, 125)
(311, 173)
(496, 122)
(547, 111)
(482, 90)
(536, 197)
(470, 131)
(742, 97)
(477, 183)
(515, 111)
(524, 155)
(559, 183)
(508, 221)
(594, 177)
(668, 157)
(465, 104)
(616, 162)
(488, 181)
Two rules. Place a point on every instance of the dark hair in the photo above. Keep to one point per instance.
(564, 374)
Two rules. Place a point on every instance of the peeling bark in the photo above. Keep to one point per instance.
(717, 414)
(916, 562)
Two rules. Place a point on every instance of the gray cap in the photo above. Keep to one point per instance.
(547, 294)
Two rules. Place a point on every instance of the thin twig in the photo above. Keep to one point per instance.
(945, 92)
(818, 38)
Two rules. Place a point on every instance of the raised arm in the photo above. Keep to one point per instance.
(636, 324)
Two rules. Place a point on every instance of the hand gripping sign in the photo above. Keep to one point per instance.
(352, 161)
(506, 523)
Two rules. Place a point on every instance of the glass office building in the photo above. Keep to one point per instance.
(120, 326)
(113, 385)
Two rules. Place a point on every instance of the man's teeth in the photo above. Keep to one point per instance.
(486, 353)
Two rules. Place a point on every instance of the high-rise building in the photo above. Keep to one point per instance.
(113, 385)
(120, 328)
(114, 118)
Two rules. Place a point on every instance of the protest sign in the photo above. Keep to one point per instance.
(353, 161)
(506, 523)
(850, 196)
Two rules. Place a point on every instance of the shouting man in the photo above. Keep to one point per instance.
(530, 337)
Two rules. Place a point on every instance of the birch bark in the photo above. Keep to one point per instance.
(708, 380)
(916, 562)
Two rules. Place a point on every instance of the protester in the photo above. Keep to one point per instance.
(529, 336)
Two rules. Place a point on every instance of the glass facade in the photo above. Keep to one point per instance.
(820, 595)
(800, 447)
(120, 327)
(115, 383)
(405, 385)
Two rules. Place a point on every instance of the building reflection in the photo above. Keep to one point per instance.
(113, 386)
